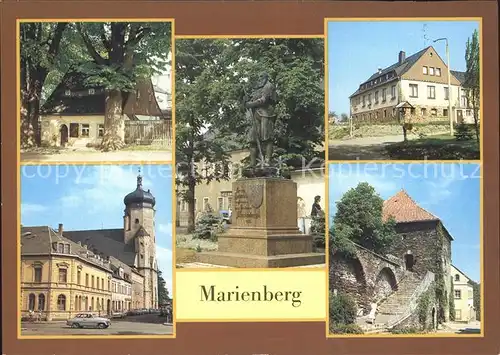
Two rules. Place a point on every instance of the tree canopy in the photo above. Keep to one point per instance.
(359, 219)
(163, 294)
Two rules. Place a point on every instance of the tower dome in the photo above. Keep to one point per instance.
(139, 197)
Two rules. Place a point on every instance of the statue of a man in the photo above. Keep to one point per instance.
(260, 110)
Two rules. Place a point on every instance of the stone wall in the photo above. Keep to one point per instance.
(419, 114)
(413, 321)
(429, 247)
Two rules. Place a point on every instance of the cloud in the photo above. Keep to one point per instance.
(27, 208)
(165, 228)
(164, 258)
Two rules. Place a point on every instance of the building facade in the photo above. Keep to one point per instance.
(217, 195)
(463, 296)
(73, 115)
(64, 272)
(419, 81)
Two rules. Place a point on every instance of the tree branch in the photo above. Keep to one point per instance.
(136, 35)
(56, 39)
(106, 43)
(86, 40)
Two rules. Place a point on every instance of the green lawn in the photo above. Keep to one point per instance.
(438, 147)
(147, 148)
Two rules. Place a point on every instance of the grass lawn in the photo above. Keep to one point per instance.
(438, 147)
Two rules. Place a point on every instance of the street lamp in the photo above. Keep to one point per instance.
(449, 82)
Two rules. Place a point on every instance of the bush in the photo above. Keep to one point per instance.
(318, 230)
(208, 226)
(342, 309)
(423, 309)
(345, 329)
(406, 330)
(464, 132)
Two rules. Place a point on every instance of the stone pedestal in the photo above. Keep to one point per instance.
(264, 231)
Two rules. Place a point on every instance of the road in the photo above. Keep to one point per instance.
(133, 325)
(365, 148)
(86, 156)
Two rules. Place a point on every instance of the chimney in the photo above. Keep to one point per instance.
(379, 70)
(60, 229)
(402, 57)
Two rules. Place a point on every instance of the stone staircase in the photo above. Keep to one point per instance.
(396, 304)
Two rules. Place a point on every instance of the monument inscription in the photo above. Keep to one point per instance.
(243, 208)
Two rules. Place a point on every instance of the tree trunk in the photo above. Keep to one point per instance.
(31, 90)
(114, 124)
(190, 198)
(476, 118)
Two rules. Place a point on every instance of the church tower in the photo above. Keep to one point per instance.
(139, 234)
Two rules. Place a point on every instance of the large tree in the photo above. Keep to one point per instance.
(122, 53)
(359, 219)
(163, 294)
(40, 48)
(473, 77)
(212, 80)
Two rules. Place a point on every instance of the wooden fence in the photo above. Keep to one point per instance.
(154, 132)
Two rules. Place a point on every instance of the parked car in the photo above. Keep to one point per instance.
(88, 320)
(225, 215)
(117, 314)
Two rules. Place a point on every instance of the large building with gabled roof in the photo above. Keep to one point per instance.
(418, 82)
(104, 270)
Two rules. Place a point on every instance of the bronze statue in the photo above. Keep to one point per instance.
(260, 111)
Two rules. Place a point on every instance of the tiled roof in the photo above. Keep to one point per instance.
(460, 75)
(398, 68)
(403, 209)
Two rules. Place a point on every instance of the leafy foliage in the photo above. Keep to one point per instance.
(359, 219)
(451, 301)
(473, 77)
(406, 330)
(476, 292)
(163, 294)
(342, 309)
(423, 309)
(345, 329)
(318, 230)
(463, 132)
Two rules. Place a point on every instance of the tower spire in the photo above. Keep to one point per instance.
(139, 179)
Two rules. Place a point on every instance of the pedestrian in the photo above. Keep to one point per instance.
(316, 208)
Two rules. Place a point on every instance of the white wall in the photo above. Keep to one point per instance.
(422, 99)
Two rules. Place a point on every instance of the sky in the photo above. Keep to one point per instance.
(448, 191)
(91, 197)
(357, 49)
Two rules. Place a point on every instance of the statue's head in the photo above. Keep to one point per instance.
(317, 199)
(263, 78)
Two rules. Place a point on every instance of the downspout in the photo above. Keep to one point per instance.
(49, 296)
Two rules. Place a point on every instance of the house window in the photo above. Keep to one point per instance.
(97, 283)
(67, 92)
(464, 101)
(369, 99)
(220, 203)
(60, 248)
(229, 203)
(41, 302)
(393, 91)
(38, 274)
(93, 282)
(205, 204)
(91, 91)
(431, 92)
(364, 100)
(63, 275)
(384, 95)
(445, 112)
(413, 90)
(425, 70)
(457, 277)
(100, 130)
(458, 314)
(438, 71)
(431, 71)
(102, 284)
(31, 302)
(142, 256)
(85, 129)
(74, 130)
(433, 112)
(78, 277)
(61, 303)
(446, 93)
(467, 112)
(109, 288)
(458, 294)
(376, 97)
(412, 111)
(66, 249)
(385, 113)
(86, 280)
(423, 111)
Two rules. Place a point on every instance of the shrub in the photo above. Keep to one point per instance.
(464, 132)
(342, 309)
(345, 329)
(318, 230)
(208, 226)
(423, 309)
(406, 330)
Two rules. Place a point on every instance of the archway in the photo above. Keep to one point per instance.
(64, 133)
(385, 283)
(409, 261)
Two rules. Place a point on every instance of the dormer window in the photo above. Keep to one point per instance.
(91, 91)
(67, 92)
(137, 221)
(60, 248)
